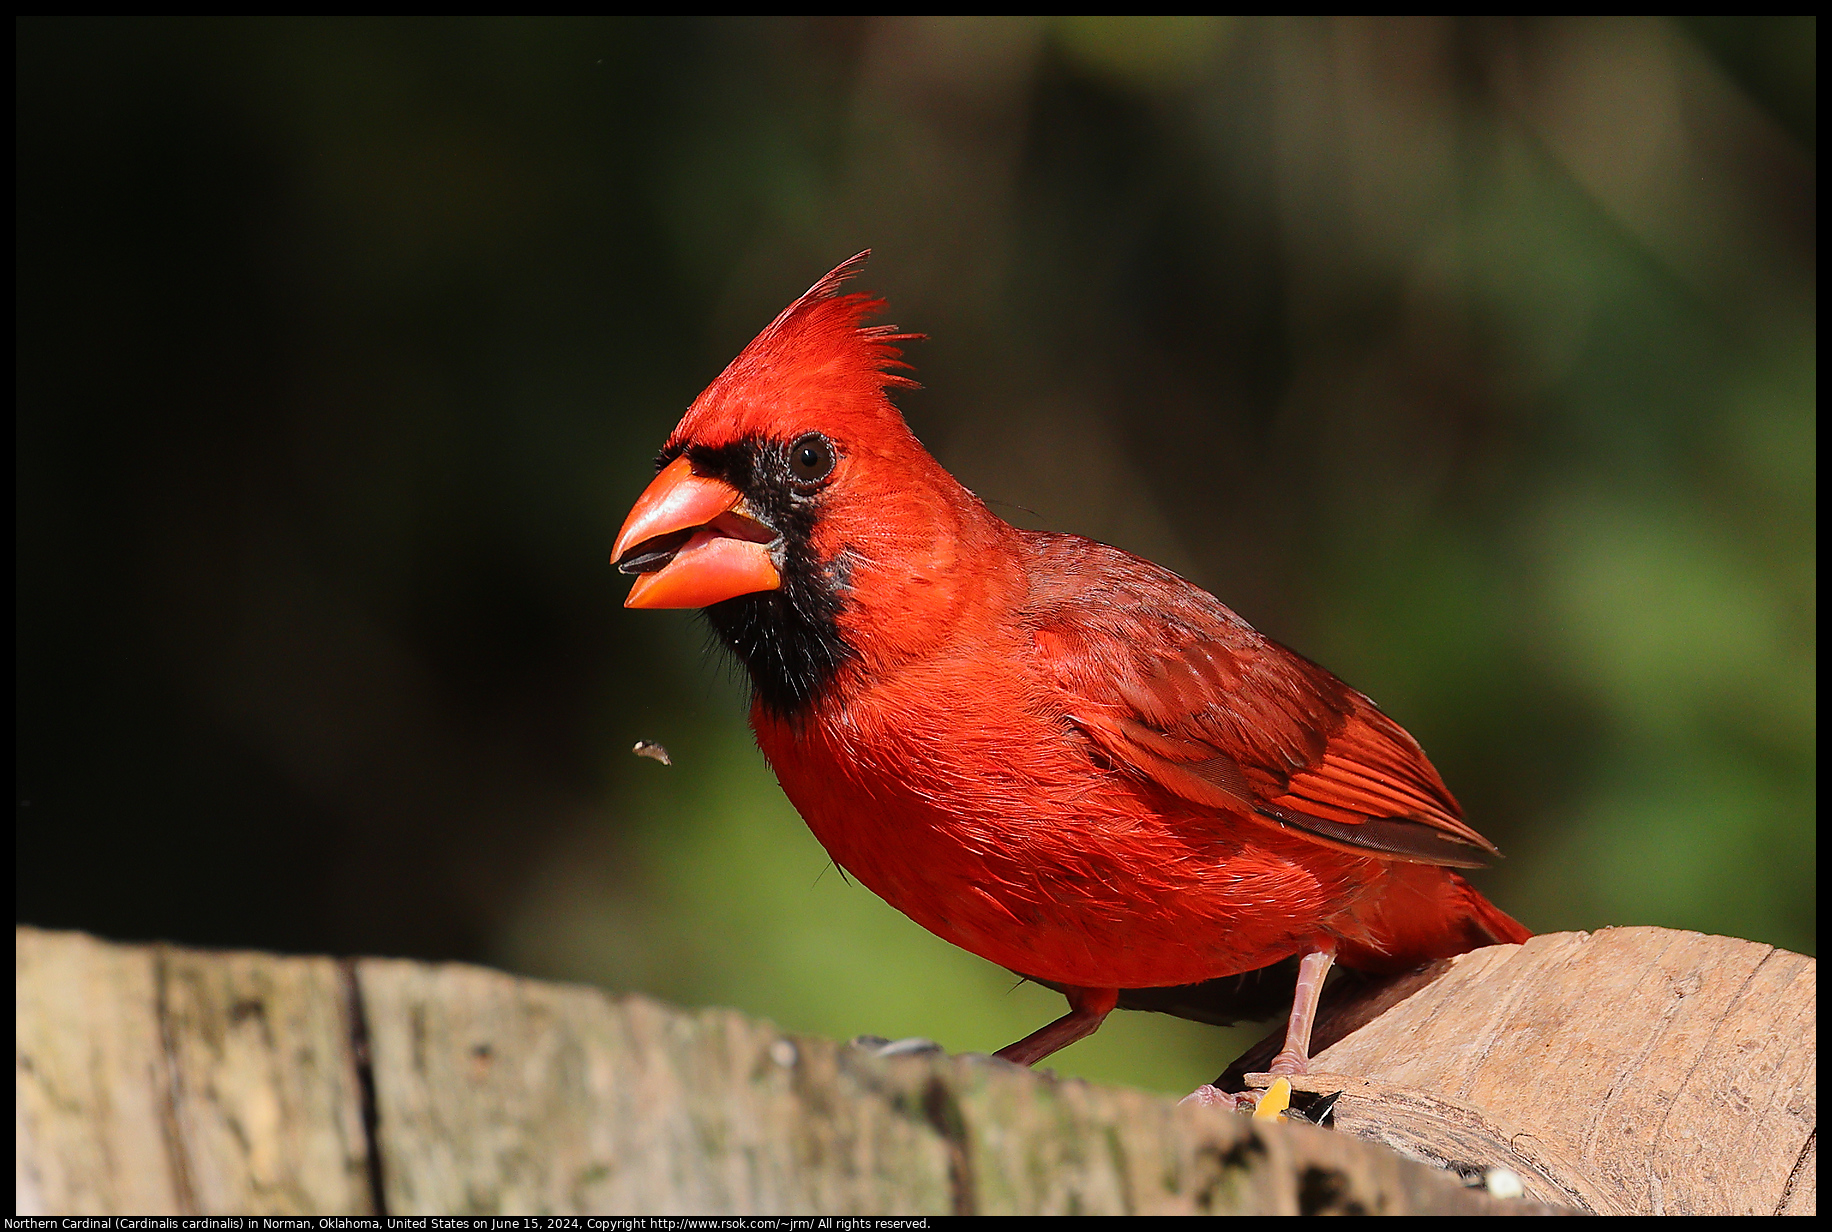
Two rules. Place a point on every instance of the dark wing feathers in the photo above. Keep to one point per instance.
(1168, 683)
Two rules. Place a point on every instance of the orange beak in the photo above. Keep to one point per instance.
(694, 541)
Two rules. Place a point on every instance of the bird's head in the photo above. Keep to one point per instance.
(795, 506)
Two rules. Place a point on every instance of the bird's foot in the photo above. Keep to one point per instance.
(1279, 1101)
(1214, 1097)
(1290, 1062)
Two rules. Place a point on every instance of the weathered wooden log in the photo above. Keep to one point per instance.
(153, 1079)
(1628, 1071)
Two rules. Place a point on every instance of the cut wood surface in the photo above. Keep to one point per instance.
(152, 1079)
(1628, 1071)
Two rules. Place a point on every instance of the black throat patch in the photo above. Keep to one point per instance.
(788, 639)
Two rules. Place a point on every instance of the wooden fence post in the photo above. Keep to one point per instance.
(154, 1079)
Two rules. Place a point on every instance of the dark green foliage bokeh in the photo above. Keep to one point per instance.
(1474, 360)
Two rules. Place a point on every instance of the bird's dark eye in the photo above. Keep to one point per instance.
(811, 458)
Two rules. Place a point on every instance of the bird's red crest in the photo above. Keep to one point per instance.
(817, 357)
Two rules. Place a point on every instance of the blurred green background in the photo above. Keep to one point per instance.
(1473, 359)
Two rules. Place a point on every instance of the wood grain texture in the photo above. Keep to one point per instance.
(90, 1091)
(265, 1095)
(505, 1096)
(498, 1095)
(153, 1080)
(150, 1079)
(1629, 1071)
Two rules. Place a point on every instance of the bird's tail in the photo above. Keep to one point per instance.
(1485, 920)
(1422, 913)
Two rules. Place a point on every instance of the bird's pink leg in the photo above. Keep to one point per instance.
(1088, 1008)
(1294, 1057)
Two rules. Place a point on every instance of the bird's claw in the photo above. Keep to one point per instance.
(1214, 1097)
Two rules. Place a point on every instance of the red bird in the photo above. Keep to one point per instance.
(1045, 750)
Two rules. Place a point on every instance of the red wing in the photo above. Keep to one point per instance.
(1171, 685)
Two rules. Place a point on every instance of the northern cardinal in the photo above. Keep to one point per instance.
(1045, 750)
